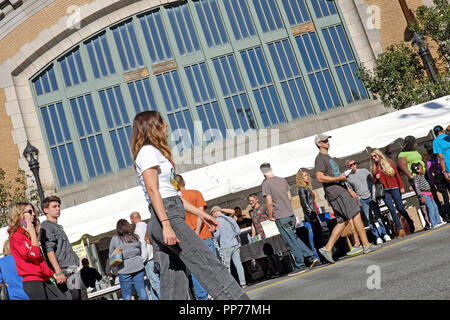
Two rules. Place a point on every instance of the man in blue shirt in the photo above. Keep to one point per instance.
(441, 146)
(227, 236)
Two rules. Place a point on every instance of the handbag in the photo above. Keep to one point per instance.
(4, 295)
(116, 257)
(379, 191)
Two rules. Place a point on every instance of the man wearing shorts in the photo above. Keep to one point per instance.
(344, 206)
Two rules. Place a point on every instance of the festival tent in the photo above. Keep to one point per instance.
(99, 216)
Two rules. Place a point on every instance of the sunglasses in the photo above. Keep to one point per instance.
(374, 156)
(29, 211)
(351, 164)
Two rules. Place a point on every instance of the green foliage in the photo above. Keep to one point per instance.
(12, 191)
(400, 80)
(434, 22)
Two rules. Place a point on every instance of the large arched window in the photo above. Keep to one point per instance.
(229, 64)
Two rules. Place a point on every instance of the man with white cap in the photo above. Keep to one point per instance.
(336, 192)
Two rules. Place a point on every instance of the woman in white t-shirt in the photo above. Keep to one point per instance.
(181, 249)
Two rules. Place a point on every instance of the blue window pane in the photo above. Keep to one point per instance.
(318, 50)
(45, 82)
(207, 80)
(121, 105)
(127, 45)
(58, 167)
(48, 126)
(261, 17)
(284, 61)
(100, 57)
(66, 164)
(330, 46)
(276, 104)
(255, 68)
(351, 82)
(317, 92)
(204, 24)
(95, 155)
(305, 96)
(199, 80)
(163, 90)
(232, 113)
(107, 54)
(265, 69)
(56, 126)
(262, 110)
(219, 22)
(92, 60)
(276, 14)
(92, 113)
(290, 13)
(87, 157)
(113, 107)
(220, 122)
(193, 86)
(276, 61)
(80, 66)
(268, 104)
(361, 88)
(77, 117)
(63, 121)
(344, 42)
(74, 162)
(296, 97)
(202, 117)
(332, 88)
(324, 89)
(247, 111)
(289, 100)
(337, 45)
(229, 77)
(135, 44)
(106, 110)
(235, 72)
(142, 96)
(72, 68)
(134, 97)
(117, 149)
(341, 76)
(316, 8)
(84, 114)
(65, 73)
(310, 49)
(37, 86)
(331, 7)
(240, 113)
(217, 66)
(176, 31)
(304, 54)
(190, 125)
(190, 27)
(324, 7)
(123, 137)
(119, 46)
(102, 149)
(51, 74)
(153, 47)
(233, 20)
(162, 33)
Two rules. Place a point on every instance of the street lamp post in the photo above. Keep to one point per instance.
(31, 154)
(424, 54)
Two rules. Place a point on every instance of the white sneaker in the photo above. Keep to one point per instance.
(386, 238)
(379, 241)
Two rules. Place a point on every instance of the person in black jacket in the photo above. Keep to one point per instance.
(89, 275)
(311, 219)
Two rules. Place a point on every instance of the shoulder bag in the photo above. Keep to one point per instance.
(116, 257)
(379, 191)
(4, 295)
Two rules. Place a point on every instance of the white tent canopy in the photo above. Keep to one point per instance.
(242, 173)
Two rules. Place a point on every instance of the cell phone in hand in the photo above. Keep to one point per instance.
(347, 172)
(24, 223)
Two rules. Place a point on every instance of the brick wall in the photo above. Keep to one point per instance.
(8, 150)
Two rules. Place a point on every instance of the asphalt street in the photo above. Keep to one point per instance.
(415, 267)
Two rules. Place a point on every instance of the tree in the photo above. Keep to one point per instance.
(15, 190)
(434, 22)
(399, 78)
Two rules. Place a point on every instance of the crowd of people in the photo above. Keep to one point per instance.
(186, 252)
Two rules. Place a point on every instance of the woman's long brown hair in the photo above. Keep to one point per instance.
(148, 128)
(16, 215)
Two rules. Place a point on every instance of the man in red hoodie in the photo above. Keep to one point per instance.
(25, 249)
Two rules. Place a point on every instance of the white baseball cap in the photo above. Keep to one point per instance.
(321, 137)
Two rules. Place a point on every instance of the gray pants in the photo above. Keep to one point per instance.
(191, 254)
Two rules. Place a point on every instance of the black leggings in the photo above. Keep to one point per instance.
(40, 290)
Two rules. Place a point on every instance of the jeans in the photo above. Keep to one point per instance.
(153, 279)
(308, 226)
(200, 292)
(234, 253)
(367, 205)
(394, 196)
(288, 233)
(127, 281)
(433, 211)
(190, 253)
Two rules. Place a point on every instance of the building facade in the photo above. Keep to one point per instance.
(74, 74)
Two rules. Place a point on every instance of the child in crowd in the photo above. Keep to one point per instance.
(424, 190)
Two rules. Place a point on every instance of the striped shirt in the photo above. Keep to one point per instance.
(422, 184)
